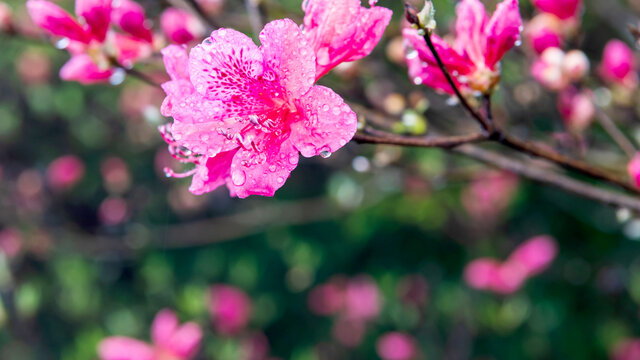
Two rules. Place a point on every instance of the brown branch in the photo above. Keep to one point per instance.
(430, 142)
(614, 132)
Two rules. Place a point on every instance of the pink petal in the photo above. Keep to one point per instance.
(230, 309)
(163, 327)
(181, 26)
(481, 273)
(396, 346)
(536, 254)
(342, 30)
(454, 61)
(563, 9)
(264, 172)
(97, 14)
(176, 61)
(130, 48)
(185, 342)
(327, 124)
(123, 348)
(288, 54)
(213, 174)
(431, 76)
(176, 90)
(130, 16)
(503, 31)
(82, 69)
(470, 25)
(56, 21)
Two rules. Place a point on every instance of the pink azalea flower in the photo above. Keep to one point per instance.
(396, 346)
(618, 65)
(474, 58)
(181, 26)
(171, 341)
(65, 172)
(242, 114)
(577, 109)
(230, 309)
(634, 170)
(563, 9)
(88, 39)
(342, 30)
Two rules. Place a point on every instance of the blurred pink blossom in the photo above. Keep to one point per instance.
(529, 259)
(628, 349)
(543, 32)
(327, 299)
(577, 109)
(115, 175)
(396, 346)
(563, 9)
(171, 341)
(556, 70)
(33, 66)
(342, 30)
(474, 58)
(113, 211)
(349, 333)
(489, 195)
(362, 299)
(245, 113)
(6, 17)
(10, 242)
(65, 172)
(634, 170)
(230, 309)
(181, 26)
(618, 65)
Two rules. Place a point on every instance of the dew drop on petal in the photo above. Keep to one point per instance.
(62, 43)
(325, 154)
(238, 177)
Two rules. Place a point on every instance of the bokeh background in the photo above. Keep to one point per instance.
(96, 240)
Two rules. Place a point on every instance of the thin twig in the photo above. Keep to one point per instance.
(439, 142)
(140, 76)
(614, 132)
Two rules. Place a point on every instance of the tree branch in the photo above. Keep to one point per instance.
(614, 132)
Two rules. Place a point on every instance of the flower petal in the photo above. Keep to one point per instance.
(503, 31)
(56, 21)
(130, 48)
(213, 174)
(262, 173)
(450, 57)
(130, 16)
(185, 342)
(176, 61)
(97, 14)
(82, 69)
(327, 123)
(163, 327)
(123, 348)
(431, 76)
(288, 54)
(470, 37)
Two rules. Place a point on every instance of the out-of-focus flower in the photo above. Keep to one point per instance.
(396, 346)
(130, 16)
(6, 17)
(230, 309)
(348, 332)
(33, 67)
(170, 341)
(556, 70)
(362, 299)
(634, 170)
(577, 109)
(628, 349)
(65, 172)
(327, 299)
(113, 211)
(181, 26)
(115, 175)
(563, 9)
(529, 259)
(473, 59)
(575, 65)
(342, 30)
(10, 242)
(543, 32)
(489, 195)
(414, 290)
(618, 66)
(244, 113)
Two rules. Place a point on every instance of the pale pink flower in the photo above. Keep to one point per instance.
(6, 17)
(181, 26)
(575, 65)
(543, 32)
(634, 170)
(556, 70)
(65, 172)
(230, 309)
(10, 242)
(242, 114)
(362, 299)
(577, 109)
(618, 65)
(171, 341)
(474, 58)
(563, 9)
(342, 30)
(396, 346)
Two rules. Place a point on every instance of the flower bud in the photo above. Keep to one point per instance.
(575, 65)
(544, 31)
(618, 65)
(181, 26)
(634, 170)
(547, 70)
(411, 15)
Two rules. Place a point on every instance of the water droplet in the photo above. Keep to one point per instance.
(518, 42)
(272, 168)
(325, 154)
(238, 177)
(452, 101)
(117, 77)
(280, 179)
(325, 107)
(62, 43)
(417, 81)
(293, 159)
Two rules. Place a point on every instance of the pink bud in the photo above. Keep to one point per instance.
(82, 69)
(396, 346)
(230, 309)
(618, 65)
(535, 255)
(543, 32)
(634, 170)
(326, 299)
(65, 172)
(548, 71)
(181, 26)
(130, 16)
(362, 299)
(5, 17)
(575, 65)
(577, 109)
(56, 21)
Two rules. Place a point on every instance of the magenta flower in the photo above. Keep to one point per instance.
(396, 346)
(170, 341)
(89, 40)
(563, 9)
(181, 26)
(618, 65)
(65, 172)
(342, 30)
(230, 309)
(242, 114)
(474, 58)
(634, 170)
